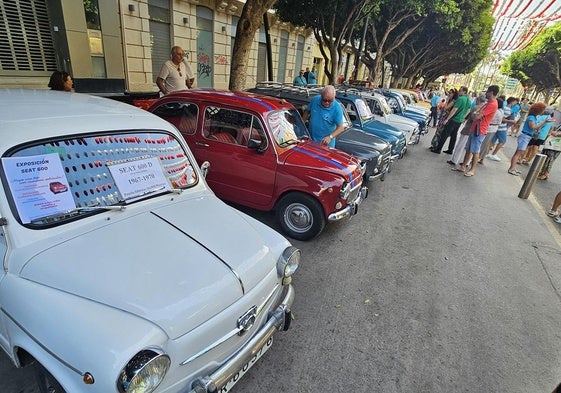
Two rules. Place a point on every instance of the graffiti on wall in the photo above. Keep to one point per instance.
(204, 67)
(219, 59)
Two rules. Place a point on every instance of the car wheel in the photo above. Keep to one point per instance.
(45, 381)
(300, 216)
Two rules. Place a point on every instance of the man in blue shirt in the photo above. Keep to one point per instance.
(300, 80)
(434, 108)
(326, 117)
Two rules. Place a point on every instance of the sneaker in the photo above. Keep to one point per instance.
(557, 220)
(553, 213)
(494, 157)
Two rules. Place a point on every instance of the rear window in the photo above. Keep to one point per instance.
(53, 181)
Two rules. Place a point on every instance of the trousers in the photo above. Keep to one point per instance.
(450, 130)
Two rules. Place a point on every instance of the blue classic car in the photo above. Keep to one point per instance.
(397, 104)
(362, 118)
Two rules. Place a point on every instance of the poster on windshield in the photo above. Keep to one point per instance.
(138, 177)
(38, 185)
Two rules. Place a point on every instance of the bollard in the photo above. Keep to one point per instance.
(530, 180)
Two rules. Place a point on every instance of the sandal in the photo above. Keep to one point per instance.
(469, 174)
(513, 172)
(459, 169)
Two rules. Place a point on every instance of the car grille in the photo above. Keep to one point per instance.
(386, 158)
(354, 192)
(400, 145)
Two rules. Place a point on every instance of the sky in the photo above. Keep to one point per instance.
(518, 22)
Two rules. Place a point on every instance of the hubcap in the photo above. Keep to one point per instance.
(298, 218)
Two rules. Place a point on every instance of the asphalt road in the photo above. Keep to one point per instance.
(441, 283)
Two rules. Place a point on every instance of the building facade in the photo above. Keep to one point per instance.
(121, 44)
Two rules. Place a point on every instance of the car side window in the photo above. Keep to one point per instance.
(232, 126)
(182, 115)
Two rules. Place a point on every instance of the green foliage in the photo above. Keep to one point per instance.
(538, 64)
(330, 20)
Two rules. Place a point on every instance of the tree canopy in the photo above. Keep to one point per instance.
(331, 21)
(539, 64)
(419, 38)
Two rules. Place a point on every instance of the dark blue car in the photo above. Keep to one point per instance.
(362, 118)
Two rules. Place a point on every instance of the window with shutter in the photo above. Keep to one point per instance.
(26, 43)
(159, 34)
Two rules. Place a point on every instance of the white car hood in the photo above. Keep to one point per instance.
(403, 121)
(176, 266)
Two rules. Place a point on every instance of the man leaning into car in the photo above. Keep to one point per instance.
(326, 117)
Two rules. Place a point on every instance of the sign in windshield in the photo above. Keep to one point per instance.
(52, 181)
(363, 110)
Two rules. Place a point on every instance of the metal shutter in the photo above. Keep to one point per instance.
(161, 46)
(159, 24)
(26, 43)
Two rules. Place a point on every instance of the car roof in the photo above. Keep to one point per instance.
(27, 115)
(286, 91)
(257, 102)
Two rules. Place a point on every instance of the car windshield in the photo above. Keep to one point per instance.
(347, 123)
(363, 110)
(384, 105)
(401, 100)
(57, 180)
(287, 127)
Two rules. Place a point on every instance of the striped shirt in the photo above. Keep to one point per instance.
(506, 113)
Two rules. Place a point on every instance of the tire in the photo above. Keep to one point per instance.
(45, 381)
(300, 216)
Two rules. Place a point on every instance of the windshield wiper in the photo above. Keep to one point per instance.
(72, 212)
(289, 142)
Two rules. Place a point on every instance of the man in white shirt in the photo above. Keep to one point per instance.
(175, 74)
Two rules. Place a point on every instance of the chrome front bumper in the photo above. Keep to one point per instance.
(352, 207)
(279, 320)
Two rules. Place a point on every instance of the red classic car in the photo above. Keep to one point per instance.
(261, 156)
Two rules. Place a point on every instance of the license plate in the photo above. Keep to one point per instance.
(226, 388)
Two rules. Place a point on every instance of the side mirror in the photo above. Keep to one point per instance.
(257, 145)
(205, 166)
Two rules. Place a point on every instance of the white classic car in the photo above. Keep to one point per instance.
(122, 271)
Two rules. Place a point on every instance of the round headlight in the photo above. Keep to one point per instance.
(288, 262)
(144, 372)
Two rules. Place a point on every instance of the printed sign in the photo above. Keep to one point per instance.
(38, 185)
(138, 177)
(553, 143)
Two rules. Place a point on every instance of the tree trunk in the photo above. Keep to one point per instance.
(250, 21)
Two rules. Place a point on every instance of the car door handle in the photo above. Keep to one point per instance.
(202, 144)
